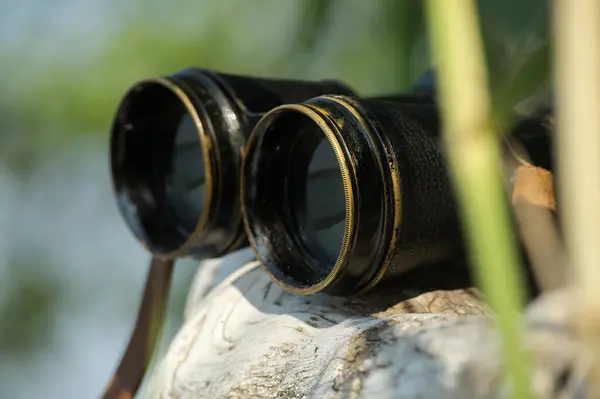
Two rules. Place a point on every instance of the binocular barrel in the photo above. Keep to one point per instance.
(341, 194)
(176, 146)
(338, 193)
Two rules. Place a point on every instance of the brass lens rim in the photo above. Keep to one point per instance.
(393, 206)
(333, 136)
(205, 144)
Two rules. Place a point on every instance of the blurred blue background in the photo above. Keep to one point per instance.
(70, 273)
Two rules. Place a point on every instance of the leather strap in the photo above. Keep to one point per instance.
(534, 204)
(535, 186)
(133, 366)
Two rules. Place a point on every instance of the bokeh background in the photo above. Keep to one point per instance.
(70, 273)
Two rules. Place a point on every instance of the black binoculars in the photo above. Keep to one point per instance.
(334, 192)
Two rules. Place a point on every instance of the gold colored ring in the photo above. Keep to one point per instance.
(206, 145)
(397, 197)
(349, 197)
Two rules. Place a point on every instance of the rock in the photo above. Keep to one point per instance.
(244, 337)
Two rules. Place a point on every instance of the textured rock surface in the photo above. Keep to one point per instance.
(244, 337)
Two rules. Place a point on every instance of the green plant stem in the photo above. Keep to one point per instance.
(475, 159)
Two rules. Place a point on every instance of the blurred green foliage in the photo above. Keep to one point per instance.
(28, 301)
(377, 46)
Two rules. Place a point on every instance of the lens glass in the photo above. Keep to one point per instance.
(158, 166)
(185, 175)
(320, 206)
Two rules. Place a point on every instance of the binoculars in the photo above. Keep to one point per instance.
(334, 192)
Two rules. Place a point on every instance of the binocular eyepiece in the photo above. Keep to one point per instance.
(176, 146)
(340, 193)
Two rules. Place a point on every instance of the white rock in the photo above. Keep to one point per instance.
(244, 337)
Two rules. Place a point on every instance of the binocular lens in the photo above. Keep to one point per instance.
(296, 198)
(176, 155)
(316, 193)
(185, 177)
(158, 165)
(322, 204)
